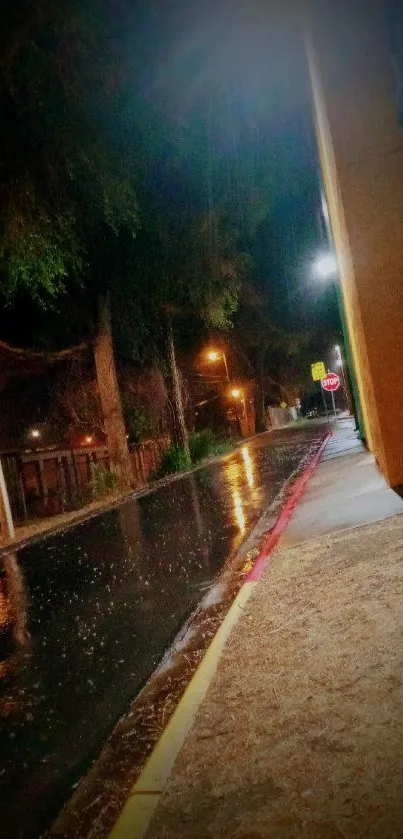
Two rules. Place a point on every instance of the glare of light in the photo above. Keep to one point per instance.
(35, 433)
(339, 360)
(238, 510)
(325, 210)
(326, 266)
(213, 355)
(234, 478)
(248, 466)
(88, 439)
(236, 393)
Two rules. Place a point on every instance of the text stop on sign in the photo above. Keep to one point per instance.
(331, 382)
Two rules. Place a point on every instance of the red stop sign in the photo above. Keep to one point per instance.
(331, 382)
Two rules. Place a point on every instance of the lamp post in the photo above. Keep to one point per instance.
(325, 268)
(215, 355)
(237, 393)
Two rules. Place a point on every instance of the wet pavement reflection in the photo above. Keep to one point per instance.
(85, 616)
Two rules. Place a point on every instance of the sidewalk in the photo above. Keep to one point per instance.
(300, 734)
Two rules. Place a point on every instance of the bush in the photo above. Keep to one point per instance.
(139, 423)
(102, 480)
(222, 447)
(201, 444)
(173, 460)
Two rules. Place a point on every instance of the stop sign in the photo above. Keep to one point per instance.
(331, 382)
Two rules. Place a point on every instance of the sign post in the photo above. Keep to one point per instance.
(324, 403)
(331, 383)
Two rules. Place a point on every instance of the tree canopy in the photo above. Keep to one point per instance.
(144, 158)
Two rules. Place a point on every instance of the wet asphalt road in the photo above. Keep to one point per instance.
(85, 616)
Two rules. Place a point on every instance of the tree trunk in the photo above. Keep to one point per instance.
(260, 395)
(119, 457)
(179, 414)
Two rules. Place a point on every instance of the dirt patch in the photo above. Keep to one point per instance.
(300, 734)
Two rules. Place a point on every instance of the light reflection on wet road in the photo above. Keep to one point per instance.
(85, 616)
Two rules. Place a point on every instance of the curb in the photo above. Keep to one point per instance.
(142, 802)
(285, 515)
(139, 808)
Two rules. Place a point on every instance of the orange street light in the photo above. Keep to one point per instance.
(215, 355)
(237, 393)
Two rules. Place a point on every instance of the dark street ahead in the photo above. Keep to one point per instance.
(87, 615)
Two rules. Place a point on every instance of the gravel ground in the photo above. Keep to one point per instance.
(301, 733)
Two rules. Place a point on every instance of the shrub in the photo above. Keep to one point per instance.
(173, 460)
(139, 423)
(223, 447)
(201, 444)
(102, 480)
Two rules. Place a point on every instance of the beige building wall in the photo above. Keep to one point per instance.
(361, 150)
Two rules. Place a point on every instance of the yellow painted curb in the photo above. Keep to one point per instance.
(144, 796)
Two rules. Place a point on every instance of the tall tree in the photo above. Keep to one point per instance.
(64, 197)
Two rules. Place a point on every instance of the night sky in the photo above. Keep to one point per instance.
(227, 89)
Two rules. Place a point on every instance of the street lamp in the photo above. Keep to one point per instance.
(326, 266)
(215, 355)
(237, 393)
(35, 433)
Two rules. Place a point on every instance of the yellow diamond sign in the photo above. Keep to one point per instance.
(318, 371)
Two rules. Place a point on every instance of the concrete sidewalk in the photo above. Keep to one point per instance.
(346, 491)
(300, 734)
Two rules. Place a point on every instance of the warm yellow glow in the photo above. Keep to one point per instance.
(236, 393)
(88, 439)
(238, 510)
(248, 466)
(234, 478)
(35, 433)
(213, 355)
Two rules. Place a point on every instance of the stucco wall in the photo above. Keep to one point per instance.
(361, 149)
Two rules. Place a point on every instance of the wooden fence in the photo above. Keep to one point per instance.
(46, 483)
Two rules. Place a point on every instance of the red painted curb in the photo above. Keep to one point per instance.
(285, 515)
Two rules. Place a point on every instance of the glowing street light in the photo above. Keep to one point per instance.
(215, 355)
(237, 393)
(339, 360)
(326, 266)
(35, 433)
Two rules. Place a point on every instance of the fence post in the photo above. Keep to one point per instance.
(6, 519)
